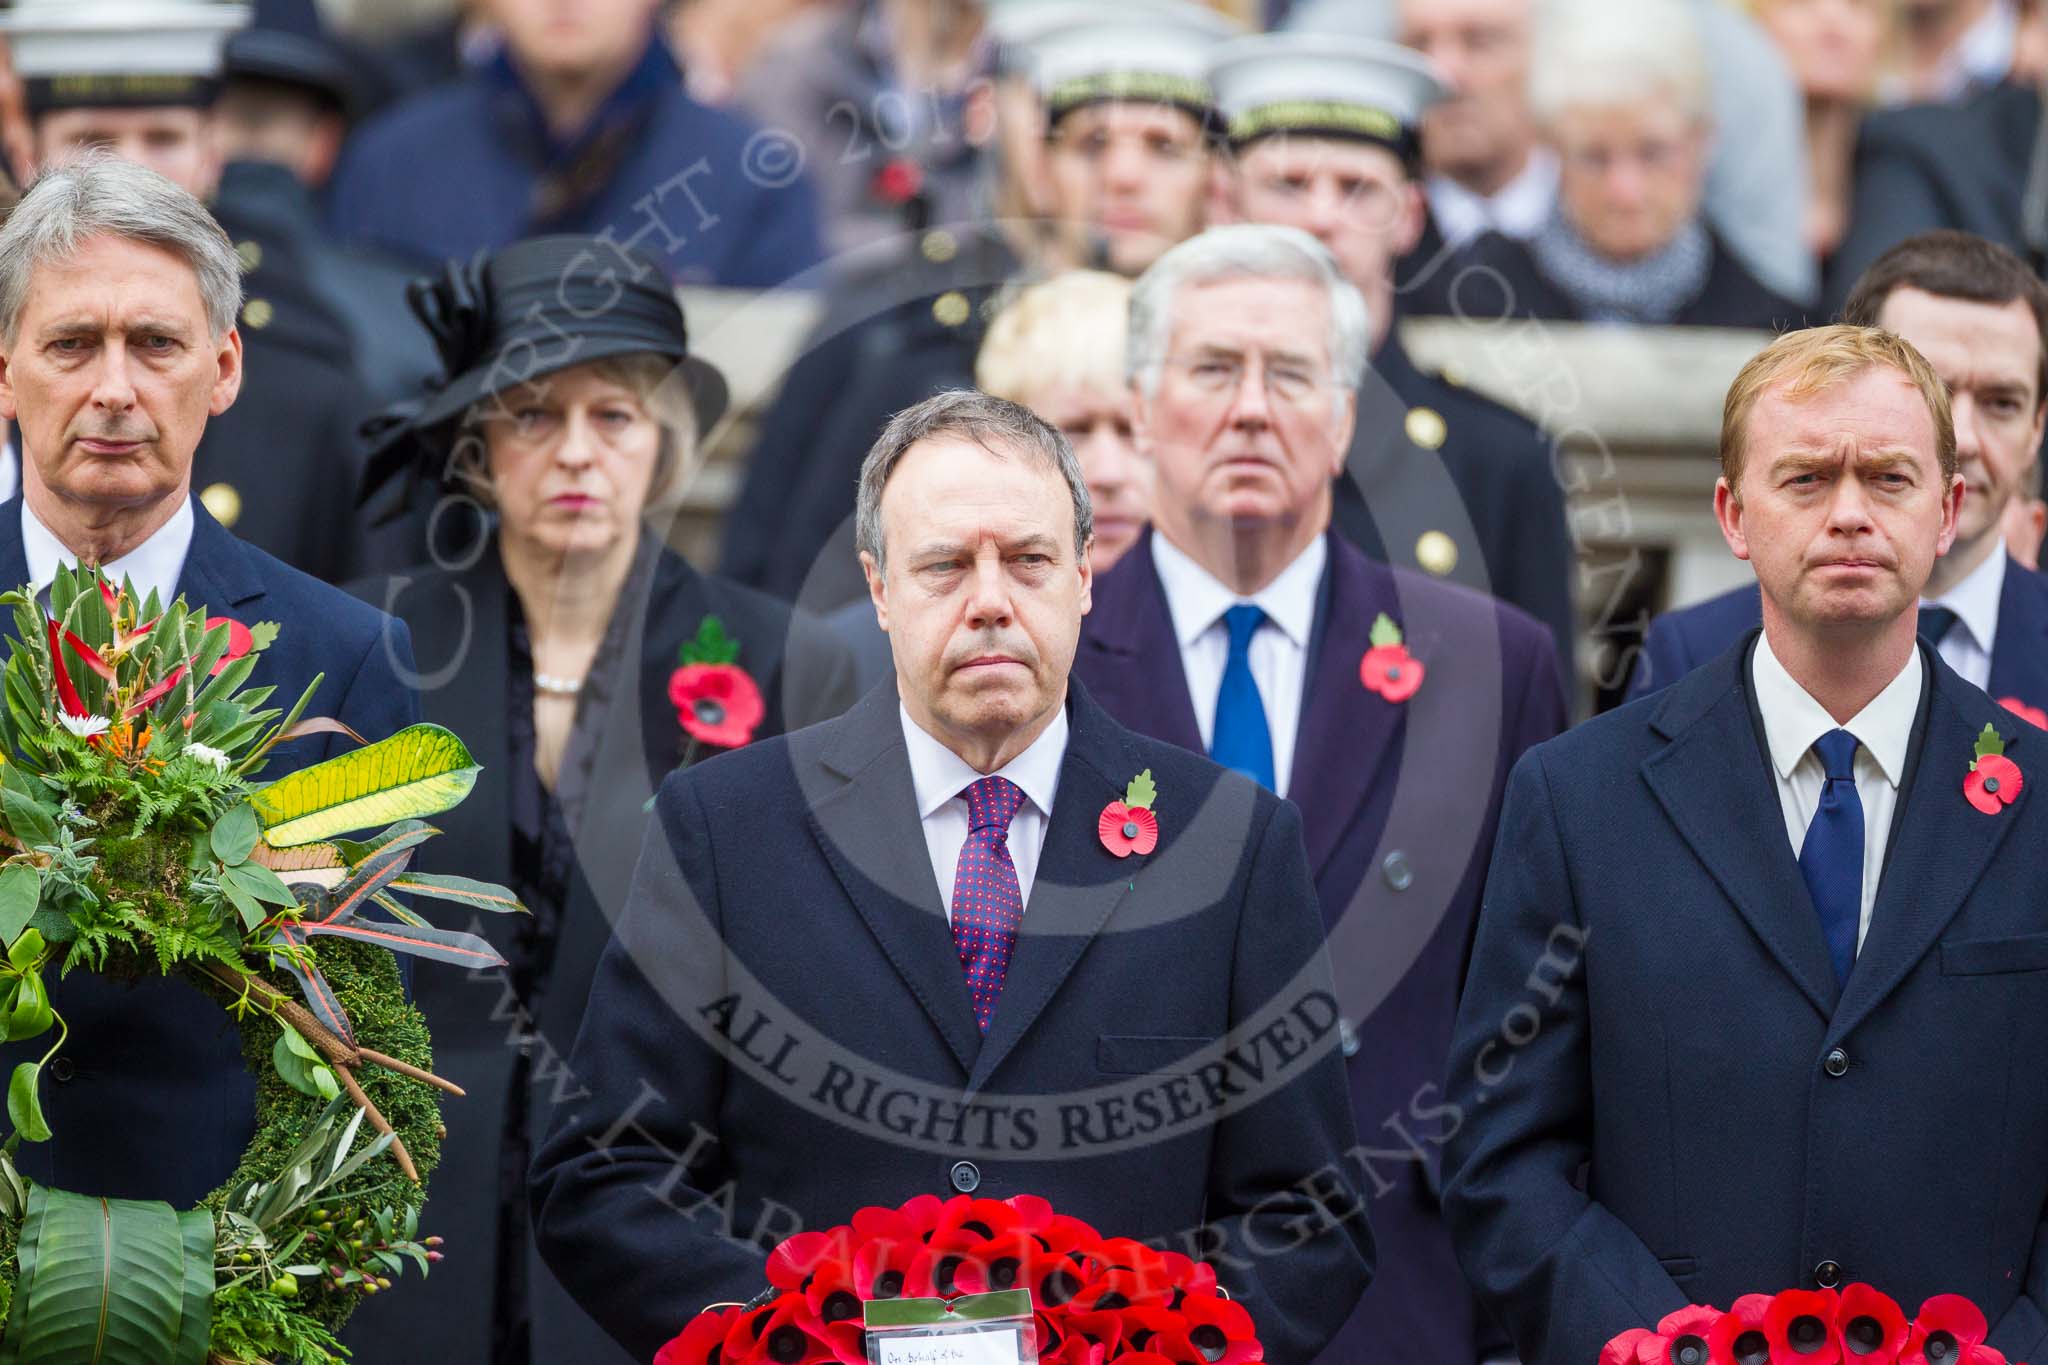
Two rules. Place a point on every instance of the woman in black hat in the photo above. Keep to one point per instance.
(581, 660)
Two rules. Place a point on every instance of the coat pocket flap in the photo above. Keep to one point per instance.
(1991, 956)
(1131, 1054)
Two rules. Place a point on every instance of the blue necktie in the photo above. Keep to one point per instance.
(1240, 739)
(1831, 860)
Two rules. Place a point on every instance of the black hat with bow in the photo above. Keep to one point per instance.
(507, 320)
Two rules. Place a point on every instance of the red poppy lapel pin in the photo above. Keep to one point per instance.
(716, 701)
(1388, 668)
(2033, 715)
(1129, 826)
(1994, 779)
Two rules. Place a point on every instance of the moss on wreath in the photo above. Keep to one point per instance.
(366, 980)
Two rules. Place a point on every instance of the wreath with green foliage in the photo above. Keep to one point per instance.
(135, 838)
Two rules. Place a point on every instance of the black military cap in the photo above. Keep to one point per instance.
(286, 42)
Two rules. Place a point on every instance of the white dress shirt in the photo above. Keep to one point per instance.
(1967, 646)
(1279, 648)
(1793, 720)
(1519, 208)
(154, 564)
(941, 778)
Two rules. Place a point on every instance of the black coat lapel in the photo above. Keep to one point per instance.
(1939, 844)
(217, 573)
(1715, 782)
(1078, 885)
(1346, 734)
(13, 558)
(870, 833)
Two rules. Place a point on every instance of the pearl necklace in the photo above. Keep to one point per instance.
(557, 687)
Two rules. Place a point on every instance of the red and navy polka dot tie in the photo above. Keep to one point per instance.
(988, 902)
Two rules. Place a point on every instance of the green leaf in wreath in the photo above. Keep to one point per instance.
(235, 834)
(478, 895)
(53, 924)
(24, 1107)
(301, 1067)
(247, 906)
(25, 954)
(111, 1280)
(21, 887)
(26, 820)
(30, 1015)
(262, 884)
(420, 771)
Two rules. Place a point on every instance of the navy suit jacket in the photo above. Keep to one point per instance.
(133, 1116)
(503, 1035)
(1398, 805)
(1680, 641)
(785, 910)
(1662, 1097)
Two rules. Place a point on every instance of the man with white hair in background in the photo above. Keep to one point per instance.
(1487, 170)
(1621, 95)
(1385, 704)
(1323, 136)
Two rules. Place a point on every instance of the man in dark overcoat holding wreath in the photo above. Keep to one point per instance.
(118, 298)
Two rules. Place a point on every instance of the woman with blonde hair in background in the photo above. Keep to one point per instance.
(1057, 347)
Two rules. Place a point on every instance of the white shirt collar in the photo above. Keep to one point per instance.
(1197, 599)
(938, 775)
(1793, 720)
(155, 564)
(1983, 55)
(1975, 599)
(1519, 208)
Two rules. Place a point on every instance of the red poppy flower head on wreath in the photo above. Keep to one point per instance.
(1095, 1299)
(717, 702)
(1858, 1326)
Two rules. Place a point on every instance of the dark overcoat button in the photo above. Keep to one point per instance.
(966, 1177)
(1827, 1274)
(1836, 1063)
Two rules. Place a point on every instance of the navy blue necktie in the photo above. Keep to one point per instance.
(1240, 738)
(1936, 622)
(1831, 860)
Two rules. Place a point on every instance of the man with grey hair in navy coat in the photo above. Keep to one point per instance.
(1387, 705)
(118, 295)
(982, 973)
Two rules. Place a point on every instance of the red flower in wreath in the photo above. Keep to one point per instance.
(240, 641)
(1738, 1337)
(1129, 826)
(783, 1333)
(1801, 1327)
(1872, 1328)
(1949, 1331)
(716, 703)
(702, 1339)
(1623, 1348)
(2033, 715)
(1388, 668)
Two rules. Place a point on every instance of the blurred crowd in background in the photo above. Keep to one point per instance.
(914, 164)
